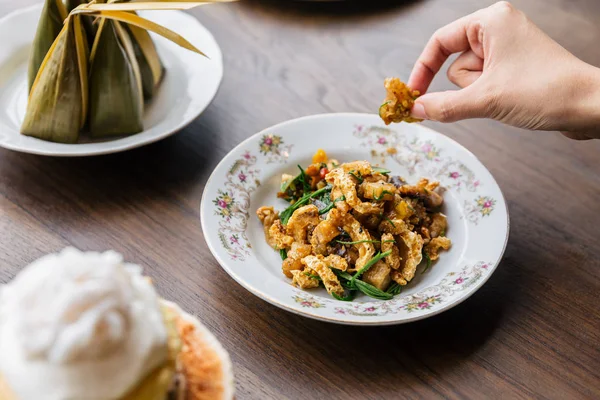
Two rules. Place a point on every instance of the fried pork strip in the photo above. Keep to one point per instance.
(329, 279)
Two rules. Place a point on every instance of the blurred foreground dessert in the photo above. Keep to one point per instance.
(78, 325)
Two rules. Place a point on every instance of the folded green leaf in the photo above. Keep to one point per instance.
(49, 26)
(312, 276)
(358, 242)
(368, 265)
(349, 297)
(394, 289)
(372, 291)
(358, 177)
(287, 213)
(304, 179)
(380, 170)
(381, 195)
(426, 256)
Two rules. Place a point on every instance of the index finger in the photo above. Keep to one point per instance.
(450, 39)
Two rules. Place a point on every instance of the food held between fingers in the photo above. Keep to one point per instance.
(398, 103)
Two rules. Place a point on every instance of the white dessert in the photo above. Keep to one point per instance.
(70, 320)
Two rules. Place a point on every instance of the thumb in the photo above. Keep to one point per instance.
(451, 106)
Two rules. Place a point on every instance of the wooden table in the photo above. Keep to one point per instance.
(532, 331)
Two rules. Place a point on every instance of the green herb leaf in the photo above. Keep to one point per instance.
(286, 184)
(283, 254)
(305, 180)
(358, 242)
(295, 187)
(372, 291)
(391, 222)
(443, 233)
(344, 278)
(368, 265)
(287, 213)
(331, 205)
(347, 285)
(327, 209)
(350, 296)
(394, 289)
(380, 170)
(383, 105)
(317, 277)
(358, 177)
(381, 196)
(426, 256)
(343, 275)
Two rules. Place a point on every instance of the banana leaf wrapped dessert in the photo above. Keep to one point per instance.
(90, 28)
(116, 94)
(73, 4)
(58, 99)
(96, 74)
(51, 23)
(151, 67)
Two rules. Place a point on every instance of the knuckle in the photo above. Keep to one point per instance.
(437, 35)
(452, 74)
(438, 32)
(437, 39)
(447, 111)
(504, 7)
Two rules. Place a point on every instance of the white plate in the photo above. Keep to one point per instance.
(190, 84)
(249, 177)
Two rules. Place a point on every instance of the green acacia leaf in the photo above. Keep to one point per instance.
(380, 170)
(426, 256)
(391, 222)
(304, 180)
(381, 196)
(349, 297)
(368, 265)
(357, 242)
(358, 177)
(287, 213)
(317, 277)
(372, 291)
(394, 289)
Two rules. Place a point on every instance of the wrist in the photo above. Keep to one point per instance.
(585, 106)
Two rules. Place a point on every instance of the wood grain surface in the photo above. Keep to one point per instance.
(533, 331)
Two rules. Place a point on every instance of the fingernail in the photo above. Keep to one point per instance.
(418, 111)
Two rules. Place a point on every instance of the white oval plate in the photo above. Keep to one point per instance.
(249, 177)
(189, 86)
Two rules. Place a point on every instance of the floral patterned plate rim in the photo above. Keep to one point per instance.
(248, 177)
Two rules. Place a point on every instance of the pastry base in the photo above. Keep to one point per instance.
(5, 392)
(203, 362)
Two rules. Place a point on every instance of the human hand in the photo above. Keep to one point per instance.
(510, 71)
